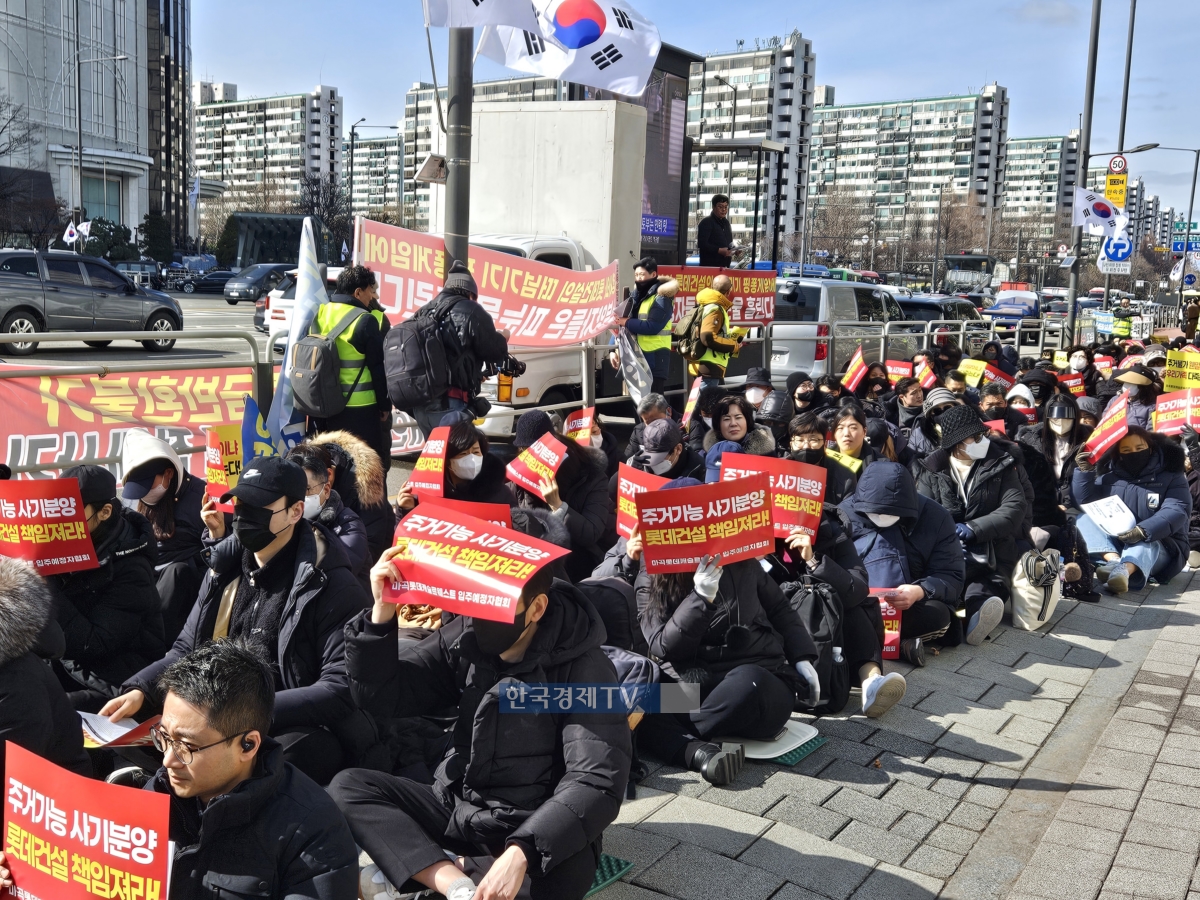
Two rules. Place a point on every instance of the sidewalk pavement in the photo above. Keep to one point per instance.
(1063, 763)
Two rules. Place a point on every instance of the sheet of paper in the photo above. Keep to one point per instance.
(1111, 515)
(99, 732)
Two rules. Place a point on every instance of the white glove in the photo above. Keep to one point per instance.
(708, 577)
(809, 674)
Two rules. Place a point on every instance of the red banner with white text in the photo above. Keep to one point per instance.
(630, 483)
(540, 304)
(67, 837)
(44, 523)
(537, 463)
(797, 489)
(61, 419)
(753, 292)
(464, 565)
(680, 526)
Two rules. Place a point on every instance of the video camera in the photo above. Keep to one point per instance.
(512, 367)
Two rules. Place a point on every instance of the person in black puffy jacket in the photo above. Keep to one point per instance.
(832, 559)
(578, 493)
(360, 482)
(1146, 471)
(533, 791)
(473, 474)
(34, 711)
(323, 504)
(975, 479)
(111, 616)
(730, 629)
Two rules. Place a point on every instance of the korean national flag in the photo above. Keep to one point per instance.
(1097, 215)
(609, 45)
(477, 13)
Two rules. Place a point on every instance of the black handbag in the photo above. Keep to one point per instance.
(820, 608)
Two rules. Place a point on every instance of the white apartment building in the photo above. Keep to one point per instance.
(753, 94)
(1162, 226)
(1039, 178)
(901, 155)
(263, 146)
(375, 175)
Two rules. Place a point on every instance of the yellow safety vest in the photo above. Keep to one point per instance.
(652, 342)
(1122, 327)
(328, 316)
(710, 355)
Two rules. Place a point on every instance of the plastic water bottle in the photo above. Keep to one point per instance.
(837, 655)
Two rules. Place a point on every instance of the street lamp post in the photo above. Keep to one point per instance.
(732, 127)
(1124, 97)
(353, 131)
(1187, 232)
(399, 154)
(1085, 143)
(79, 63)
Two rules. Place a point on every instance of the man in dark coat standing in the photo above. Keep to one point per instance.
(244, 823)
(479, 343)
(714, 235)
(285, 584)
(533, 791)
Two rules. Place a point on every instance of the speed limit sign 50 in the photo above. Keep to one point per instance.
(1117, 165)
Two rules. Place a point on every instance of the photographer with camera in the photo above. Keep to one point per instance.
(469, 326)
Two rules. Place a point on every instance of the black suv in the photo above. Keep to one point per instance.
(60, 291)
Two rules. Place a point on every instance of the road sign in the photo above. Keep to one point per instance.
(1115, 190)
(1108, 267)
(1182, 227)
(1117, 164)
(1189, 279)
(1117, 249)
(1177, 246)
(1063, 248)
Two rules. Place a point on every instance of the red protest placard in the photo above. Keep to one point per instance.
(855, 370)
(1073, 383)
(923, 373)
(692, 400)
(897, 370)
(579, 424)
(1104, 364)
(463, 564)
(537, 463)
(1130, 361)
(993, 375)
(428, 478)
(797, 489)
(43, 522)
(496, 513)
(678, 527)
(1175, 410)
(1110, 429)
(1191, 348)
(222, 462)
(67, 837)
(753, 292)
(1029, 412)
(995, 425)
(891, 622)
(630, 483)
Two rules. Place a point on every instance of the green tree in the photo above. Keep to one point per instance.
(156, 238)
(226, 250)
(111, 241)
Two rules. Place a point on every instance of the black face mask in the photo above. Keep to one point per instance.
(809, 455)
(1135, 462)
(252, 525)
(803, 396)
(496, 637)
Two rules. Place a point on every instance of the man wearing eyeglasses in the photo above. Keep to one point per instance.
(244, 822)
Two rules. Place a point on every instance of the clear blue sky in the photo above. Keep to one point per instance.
(372, 50)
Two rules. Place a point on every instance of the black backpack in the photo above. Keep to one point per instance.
(420, 354)
(316, 370)
(821, 611)
(616, 603)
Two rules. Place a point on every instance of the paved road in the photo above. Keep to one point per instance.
(200, 312)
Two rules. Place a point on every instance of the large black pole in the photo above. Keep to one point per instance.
(1125, 99)
(458, 143)
(1085, 147)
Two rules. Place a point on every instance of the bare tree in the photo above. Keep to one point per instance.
(325, 197)
(839, 220)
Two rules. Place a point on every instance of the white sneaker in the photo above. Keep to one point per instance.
(373, 885)
(881, 692)
(461, 891)
(984, 621)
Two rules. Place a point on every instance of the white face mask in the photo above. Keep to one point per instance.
(597, 441)
(883, 520)
(756, 396)
(154, 495)
(979, 449)
(707, 420)
(467, 467)
(1078, 362)
(659, 462)
(1062, 426)
(312, 505)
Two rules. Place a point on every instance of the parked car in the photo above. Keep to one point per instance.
(807, 309)
(60, 291)
(146, 272)
(255, 281)
(947, 310)
(209, 283)
(273, 312)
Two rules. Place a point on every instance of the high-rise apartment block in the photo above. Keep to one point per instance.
(1039, 179)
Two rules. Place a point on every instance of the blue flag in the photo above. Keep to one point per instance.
(284, 422)
(256, 440)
